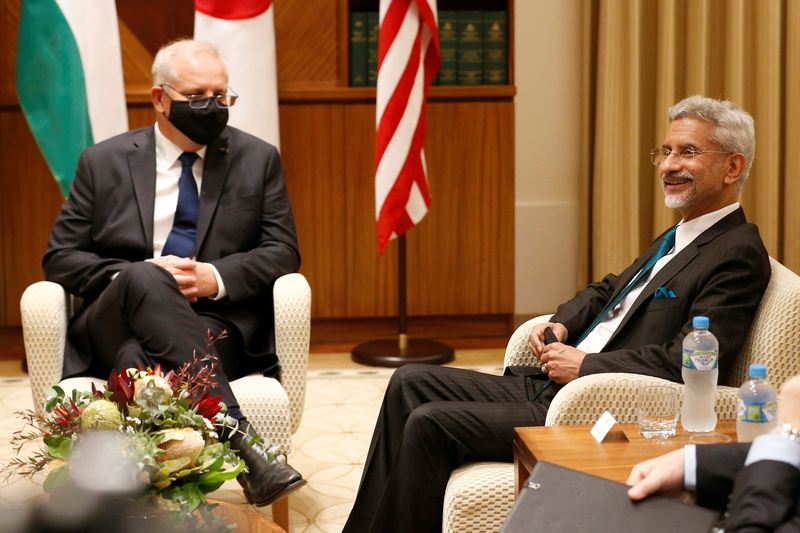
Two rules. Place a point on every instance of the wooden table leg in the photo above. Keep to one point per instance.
(280, 513)
(523, 465)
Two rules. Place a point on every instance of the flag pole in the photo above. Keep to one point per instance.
(402, 351)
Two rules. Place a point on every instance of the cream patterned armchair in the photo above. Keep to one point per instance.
(479, 495)
(273, 408)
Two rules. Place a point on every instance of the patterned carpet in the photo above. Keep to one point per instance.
(329, 447)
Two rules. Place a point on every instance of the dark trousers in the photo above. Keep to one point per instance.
(433, 420)
(141, 319)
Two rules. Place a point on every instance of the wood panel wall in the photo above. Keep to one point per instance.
(460, 256)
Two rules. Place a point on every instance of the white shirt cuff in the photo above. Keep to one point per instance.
(221, 292)
(774, 447)
(690, 467)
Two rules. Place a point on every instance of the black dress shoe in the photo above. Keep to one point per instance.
(266, 480)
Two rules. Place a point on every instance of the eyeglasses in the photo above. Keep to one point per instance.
(659, 155)
(201, 101)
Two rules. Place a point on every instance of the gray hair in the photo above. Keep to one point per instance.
(735, 129)
(163, 63)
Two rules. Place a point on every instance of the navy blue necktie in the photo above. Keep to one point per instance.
(180, 241)
(667, 242)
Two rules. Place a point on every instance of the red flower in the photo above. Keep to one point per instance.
(120, 384)
(65, 415)
(208, 406)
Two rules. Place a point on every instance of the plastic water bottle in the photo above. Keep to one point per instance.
(757, 406)
(699, 372)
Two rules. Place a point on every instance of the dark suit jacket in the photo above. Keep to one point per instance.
(721, 275)
(762, 497)
(245, 227)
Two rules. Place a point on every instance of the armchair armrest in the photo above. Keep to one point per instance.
(517, 351)
(583, 400)
(45, 312)
(292, 300)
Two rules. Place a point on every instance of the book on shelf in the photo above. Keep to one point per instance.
(495, 48)
(473, 48)
(372, 48)
(358, 49)
(470, 47)
(448, 46)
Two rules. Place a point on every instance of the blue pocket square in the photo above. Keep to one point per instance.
(664, 292)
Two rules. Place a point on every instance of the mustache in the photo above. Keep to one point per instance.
(683, 174)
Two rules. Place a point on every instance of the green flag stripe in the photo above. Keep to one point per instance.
(51, 87)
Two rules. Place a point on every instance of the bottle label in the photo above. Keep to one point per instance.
(756, 412)
(699, 360)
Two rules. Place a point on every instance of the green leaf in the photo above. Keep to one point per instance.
(58, 446)
(211, 451)
(211, 481)
(189, 496)
(217, 464)
(163, 484)
(54, 397)
(56, 479)
(174, 465)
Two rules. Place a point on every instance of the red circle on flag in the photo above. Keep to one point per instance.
(236, 10)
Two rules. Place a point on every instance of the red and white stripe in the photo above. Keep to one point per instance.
(244, 33)
(408, 59)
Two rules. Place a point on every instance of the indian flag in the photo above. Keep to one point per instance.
(244, 33)
(69, 78)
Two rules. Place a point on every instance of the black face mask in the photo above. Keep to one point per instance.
(200, 125)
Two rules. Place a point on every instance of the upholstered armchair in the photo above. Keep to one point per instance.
(274, 408)
(479, 495)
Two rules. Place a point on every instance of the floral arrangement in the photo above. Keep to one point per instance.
(168, 424)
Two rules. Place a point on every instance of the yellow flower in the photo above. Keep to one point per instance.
(180, 443)
(101, 414)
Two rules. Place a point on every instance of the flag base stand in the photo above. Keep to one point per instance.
(402, 351)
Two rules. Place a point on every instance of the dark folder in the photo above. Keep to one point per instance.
(556, 499)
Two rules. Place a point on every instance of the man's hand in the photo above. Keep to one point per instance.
(561, 362)
(183, 270)
(536, 340)
(206, 281)
(662, 474)
(195, 280)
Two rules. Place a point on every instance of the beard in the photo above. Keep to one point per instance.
(681, 199)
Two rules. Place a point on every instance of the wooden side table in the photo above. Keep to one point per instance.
(574, 447)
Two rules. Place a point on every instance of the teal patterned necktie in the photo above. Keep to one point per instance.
(666, 245)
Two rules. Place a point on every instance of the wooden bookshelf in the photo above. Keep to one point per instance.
(346, 6)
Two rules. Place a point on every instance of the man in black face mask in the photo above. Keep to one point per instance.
(173, 230)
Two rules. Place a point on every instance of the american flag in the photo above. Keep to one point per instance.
(408, 59)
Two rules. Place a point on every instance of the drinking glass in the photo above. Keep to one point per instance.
(658, 411)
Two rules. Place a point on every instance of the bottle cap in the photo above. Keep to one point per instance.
(700, 322)
(757, 370)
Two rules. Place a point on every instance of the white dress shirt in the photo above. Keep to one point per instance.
(687, 232)
(168, 173)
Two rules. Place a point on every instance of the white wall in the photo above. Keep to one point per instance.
(547, 48)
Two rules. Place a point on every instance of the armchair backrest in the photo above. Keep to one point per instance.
(774, 337)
